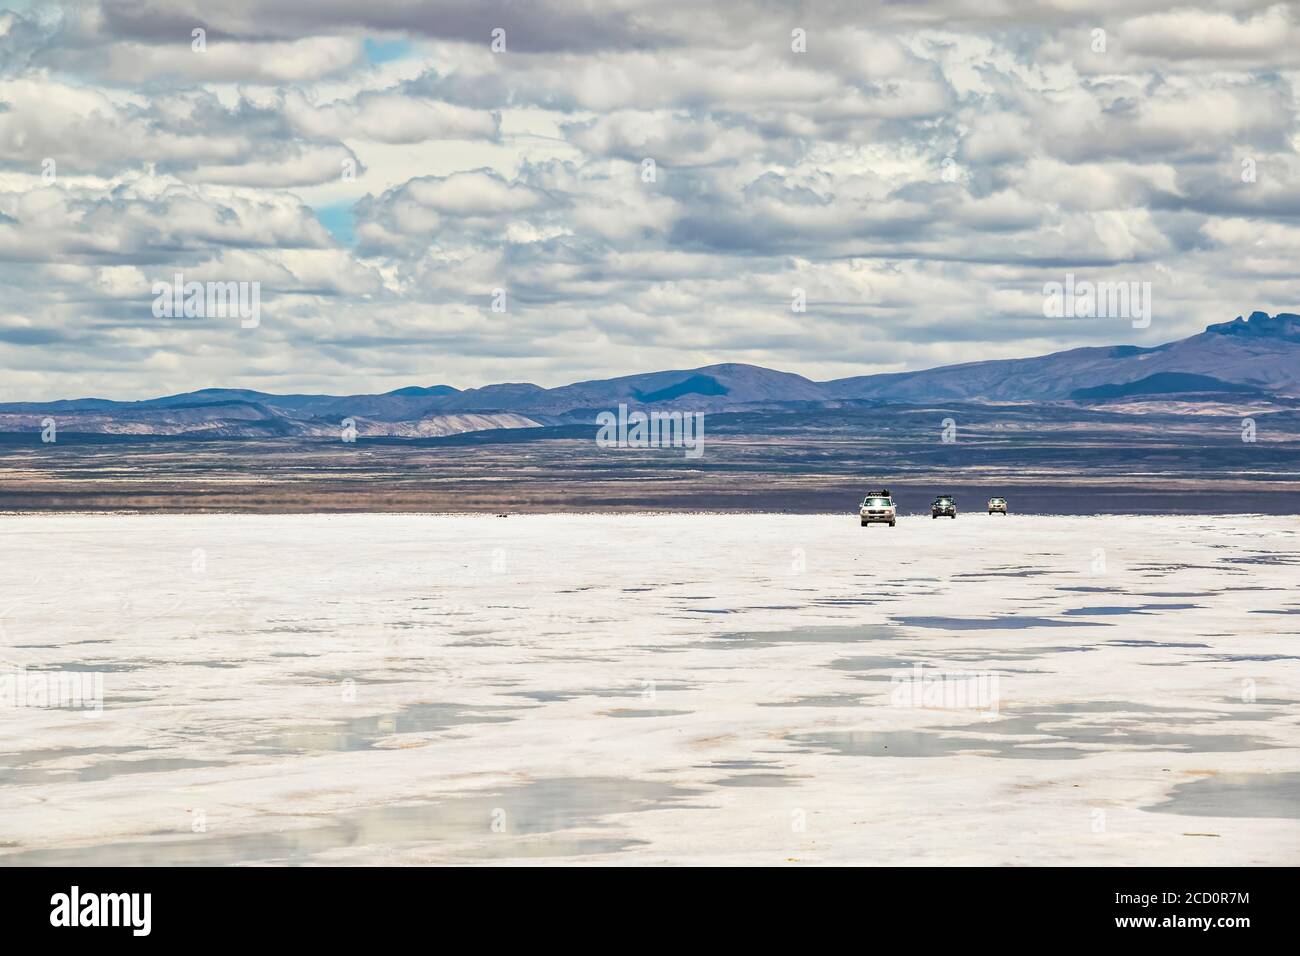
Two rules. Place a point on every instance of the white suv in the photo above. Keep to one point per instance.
(877, 507)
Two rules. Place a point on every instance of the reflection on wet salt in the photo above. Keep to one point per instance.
(824, 700)
(1265, 558)
(1016, 573)
(1120, 731)
(1061, 731)
(637, 689)
(46, 647)
(362, 733)
(756, 780)
(1127, 609)
(35, 767)
(1259, 702)
(1236, 795)
(529, 820)
(332, 677)
(103, 667)
(975, 655)
(911, 743)
(812, 635)
(1135, 642)
(1004, 622)
(870, 663)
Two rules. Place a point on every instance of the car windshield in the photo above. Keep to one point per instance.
(998, 501)
(943, 501)
(876, 503)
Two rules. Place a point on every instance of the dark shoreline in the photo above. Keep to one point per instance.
(1051, 462)
(682, 497)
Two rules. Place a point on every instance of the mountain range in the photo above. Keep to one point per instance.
(1253, 357)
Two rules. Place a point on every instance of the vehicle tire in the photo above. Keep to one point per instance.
(891, 524)
(865, 523)
(953, 516)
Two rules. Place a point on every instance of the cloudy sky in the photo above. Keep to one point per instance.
(647, 180)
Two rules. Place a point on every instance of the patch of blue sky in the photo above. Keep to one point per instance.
(337, 218)
(384, 51)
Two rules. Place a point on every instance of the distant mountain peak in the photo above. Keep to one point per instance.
(734, 367)
(424, 390)
(1284, 325)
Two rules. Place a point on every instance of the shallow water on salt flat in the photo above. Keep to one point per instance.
(665, 688)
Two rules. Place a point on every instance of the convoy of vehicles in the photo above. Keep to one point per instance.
(878, 507)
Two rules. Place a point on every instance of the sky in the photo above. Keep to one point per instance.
(481, 191)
